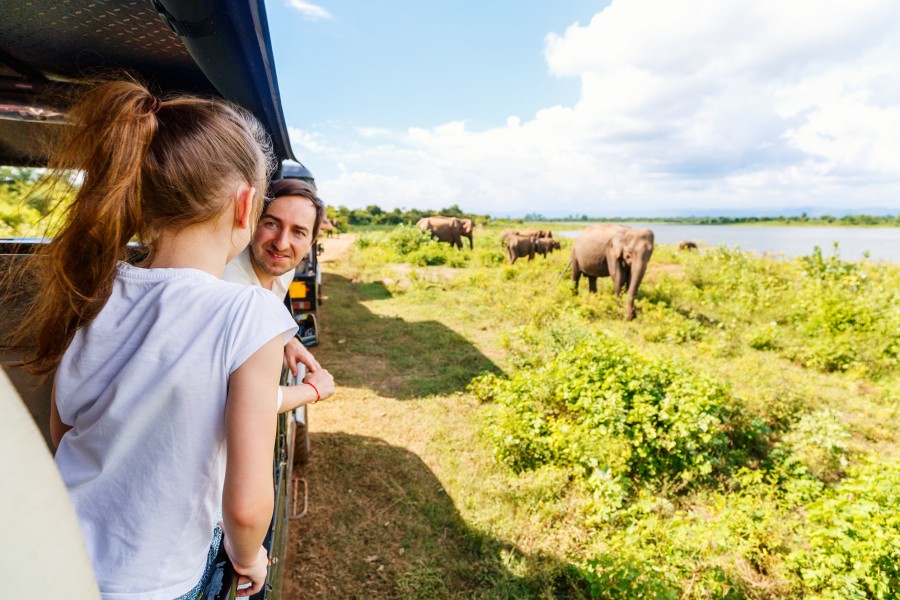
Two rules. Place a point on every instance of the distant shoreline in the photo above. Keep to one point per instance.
(885, 222)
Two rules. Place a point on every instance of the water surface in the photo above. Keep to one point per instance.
(881, 243)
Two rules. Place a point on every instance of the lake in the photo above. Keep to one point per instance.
(882, 243)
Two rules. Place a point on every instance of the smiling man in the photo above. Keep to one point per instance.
(289, 225)
(290, 221)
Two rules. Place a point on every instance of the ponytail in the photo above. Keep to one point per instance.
(147, 166)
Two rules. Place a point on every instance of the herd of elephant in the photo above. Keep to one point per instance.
(449, 230)
(604, 250)
(529, 242)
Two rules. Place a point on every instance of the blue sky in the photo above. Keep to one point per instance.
(420, 63)
(610, 108)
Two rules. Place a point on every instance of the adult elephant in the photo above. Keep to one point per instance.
(505, 235)
(539, 233)
(613, 250)
(327, 226)
(443, 229)
(520, 246)
(466, 227)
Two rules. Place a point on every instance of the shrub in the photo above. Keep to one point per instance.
(406, 239)
(822, 313)
(609, 413)
(853, 547)
(364, 240)
(820, 441)
(409, 244)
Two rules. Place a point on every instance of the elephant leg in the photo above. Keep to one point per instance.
(592, 284)
(629, 308)
(576, 276)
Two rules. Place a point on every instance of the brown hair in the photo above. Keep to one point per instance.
(291, 186)
(148, 166)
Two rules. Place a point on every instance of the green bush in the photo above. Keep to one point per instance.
(822, 313)
(409, 244)
(853, 537)
(609, 413)
(820, 441)
(406, 239)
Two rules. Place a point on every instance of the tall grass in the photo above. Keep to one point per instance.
(738, 439)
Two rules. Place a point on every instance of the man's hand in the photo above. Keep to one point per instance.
(295, 352)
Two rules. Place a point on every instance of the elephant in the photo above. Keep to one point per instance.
(546, 245)
(613, 250)
(541, 233)
(687, 245)
(327, 226)
(519, 246)
(466, 231)
(505, 235)
(444, 229)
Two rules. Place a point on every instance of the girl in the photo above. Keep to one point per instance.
(164, 396)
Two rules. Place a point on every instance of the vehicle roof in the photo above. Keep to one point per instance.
(48, 48)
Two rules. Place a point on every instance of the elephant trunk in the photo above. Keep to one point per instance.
(637, 274)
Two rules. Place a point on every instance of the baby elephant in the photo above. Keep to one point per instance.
(687, 245)
(518, 246)
(545, 245)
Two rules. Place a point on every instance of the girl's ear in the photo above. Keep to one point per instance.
(243, 206)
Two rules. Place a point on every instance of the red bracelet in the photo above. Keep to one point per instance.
(318, 395)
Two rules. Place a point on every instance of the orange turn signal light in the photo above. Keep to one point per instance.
(297, 290)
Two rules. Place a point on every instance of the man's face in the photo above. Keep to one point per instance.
(284, 235)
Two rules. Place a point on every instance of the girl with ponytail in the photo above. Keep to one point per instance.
(166, 376)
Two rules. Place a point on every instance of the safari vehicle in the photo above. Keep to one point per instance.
(49, 48)
(304, 295)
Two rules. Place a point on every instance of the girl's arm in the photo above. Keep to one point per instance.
(247, 500)
(298, 395)
(57, 428)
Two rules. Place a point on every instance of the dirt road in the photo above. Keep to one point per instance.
(381, 523)
(334, 248)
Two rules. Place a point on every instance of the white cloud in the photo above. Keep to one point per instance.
(698, 103)
(310, 11)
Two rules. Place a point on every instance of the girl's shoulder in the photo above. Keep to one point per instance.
(185, 286)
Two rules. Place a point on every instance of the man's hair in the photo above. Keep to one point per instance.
(297, 187)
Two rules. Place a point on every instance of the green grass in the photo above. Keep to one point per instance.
(793, 362)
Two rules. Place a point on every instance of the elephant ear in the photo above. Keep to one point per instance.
(616, 247)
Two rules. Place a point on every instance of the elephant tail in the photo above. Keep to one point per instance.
(565, 270)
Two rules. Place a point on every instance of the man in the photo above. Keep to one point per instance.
(290, 222)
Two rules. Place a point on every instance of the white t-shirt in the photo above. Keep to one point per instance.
(240, 270)
(144, 386)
